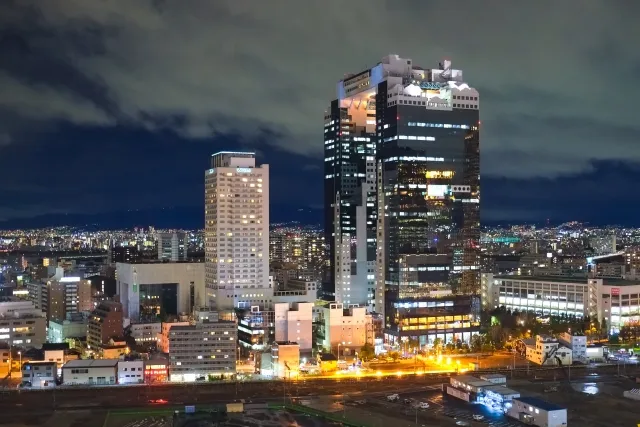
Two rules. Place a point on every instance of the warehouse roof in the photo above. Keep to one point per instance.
(539, 403)
(91, 363)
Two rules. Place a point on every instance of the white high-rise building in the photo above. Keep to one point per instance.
(172, 246)
(236, 231)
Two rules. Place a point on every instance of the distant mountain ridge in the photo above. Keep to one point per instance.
(186, 217)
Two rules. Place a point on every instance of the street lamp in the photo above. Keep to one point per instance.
(20, 354)
(339, 351)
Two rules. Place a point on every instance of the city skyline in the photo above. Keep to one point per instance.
(550, 150)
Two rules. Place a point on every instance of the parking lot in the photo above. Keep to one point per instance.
(442, 410)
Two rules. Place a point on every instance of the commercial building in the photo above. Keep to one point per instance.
(172, 246)
(285, 359)
(163, 338)
(151, 290)
(451, 318)
(145, 333)
(548, 351)
(294, 323)
(156, 371)
(39, 374)
(131, 372)
(105, 324)
(21, 324)
(236, 231)
(68, 295)
(125, 254)
(207, 348)
(346, 328)
(613, 301)
(537, 412)
(402, 185)
(61, 295)
(256, 329)
(90, 372)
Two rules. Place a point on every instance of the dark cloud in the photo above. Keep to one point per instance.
(558, 80)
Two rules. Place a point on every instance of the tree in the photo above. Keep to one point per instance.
(437, 345)
(476, 343)
(604, 328)
(394, 355)
(367, 352)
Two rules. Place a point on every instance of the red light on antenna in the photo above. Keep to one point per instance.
(397, 117)
(479, 122)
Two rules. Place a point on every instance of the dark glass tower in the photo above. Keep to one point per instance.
(349, 199)
(428, 202)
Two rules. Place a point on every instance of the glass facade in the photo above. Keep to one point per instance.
(429, 192)
(157, 299)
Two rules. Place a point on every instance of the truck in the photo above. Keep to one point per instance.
(393, 397)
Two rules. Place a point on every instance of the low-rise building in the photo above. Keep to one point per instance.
(537, 412)
(328, 362)
(131, 372)
(156, 371)
(74, 327)
(548, 351)
(577, 343)
(285, 359)
(500, 395)
(90, 372)
(39, 374)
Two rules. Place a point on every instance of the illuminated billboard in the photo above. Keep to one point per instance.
(437, 190)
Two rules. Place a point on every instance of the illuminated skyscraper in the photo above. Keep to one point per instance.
(236, 231)
(425, 125)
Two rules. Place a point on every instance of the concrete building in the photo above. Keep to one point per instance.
(616, 301)
(131, 372)
(256, 330)
(172, 246)
(349, 327)
(21, 324)
(61, 295)
(39, 374)
(105, 324)
(577, 343)
(285, 359)
(90, 372)
(294, 323)
(145, 333)
(68, 295)
(74, 327)
(203, 349)
(148, 290)
(236, 231)
(537, 412)
(163, 337)
(548, 351)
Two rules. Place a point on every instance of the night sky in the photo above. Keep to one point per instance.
(109, 106)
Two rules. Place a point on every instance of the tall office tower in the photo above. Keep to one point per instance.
(172, 246)
(236, 231)
(349, 187)
(428, 165)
